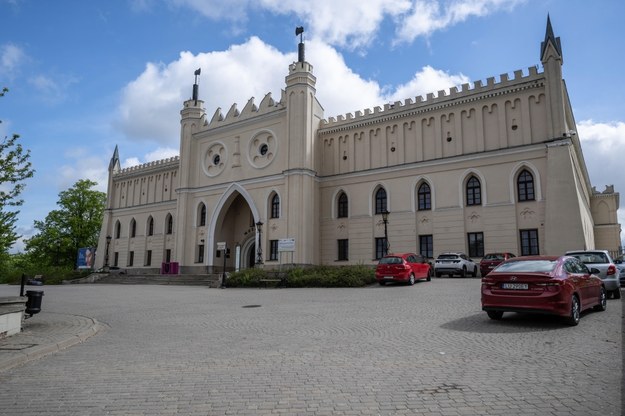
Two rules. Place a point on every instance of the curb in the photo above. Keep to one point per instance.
(40, 351)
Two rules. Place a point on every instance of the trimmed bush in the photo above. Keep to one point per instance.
(317, 276)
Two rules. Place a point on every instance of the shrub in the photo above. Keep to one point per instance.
(316, 276)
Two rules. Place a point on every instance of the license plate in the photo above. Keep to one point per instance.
(514, 286)
(388, 277)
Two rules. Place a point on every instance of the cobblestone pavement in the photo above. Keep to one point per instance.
(425, 349)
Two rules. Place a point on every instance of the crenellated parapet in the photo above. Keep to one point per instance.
(251, 110)
(444, 98)
(150, 167)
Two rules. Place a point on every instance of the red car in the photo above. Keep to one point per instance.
(492, 260)
(403, 267)
(543, 284)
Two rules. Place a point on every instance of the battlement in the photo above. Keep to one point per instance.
(457, 94)
(267, 105)
(154, 165)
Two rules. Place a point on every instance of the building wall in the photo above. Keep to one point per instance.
(235, 164)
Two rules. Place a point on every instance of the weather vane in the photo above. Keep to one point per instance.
(195, 85)
(299, 30)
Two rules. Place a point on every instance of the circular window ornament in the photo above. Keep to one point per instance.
(214, 161)
(262, 149)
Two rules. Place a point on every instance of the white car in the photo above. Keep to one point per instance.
(608, 272)
(451, 263)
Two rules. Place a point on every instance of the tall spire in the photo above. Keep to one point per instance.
(115, 159)
(550, 39)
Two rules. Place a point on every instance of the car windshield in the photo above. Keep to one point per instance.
(591, 258)
(497, 256)
(390, 260)
(447, 257)
(541, 266)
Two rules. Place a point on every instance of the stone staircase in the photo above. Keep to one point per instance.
(208, 280)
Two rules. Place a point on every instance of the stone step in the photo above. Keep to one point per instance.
(212, 280)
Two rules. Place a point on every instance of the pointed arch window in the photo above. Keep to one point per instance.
(342, 205)
(202, 217)
(525, 186)
(275, 206)
(474, 191)
(133, 228)
(169, 225)
(118, 229)
(150, 226)
(425, 197)
(380, 201)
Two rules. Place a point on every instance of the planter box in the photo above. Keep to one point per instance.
(11, 315)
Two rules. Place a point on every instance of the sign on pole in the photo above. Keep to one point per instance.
(221, 245)
(286, 245)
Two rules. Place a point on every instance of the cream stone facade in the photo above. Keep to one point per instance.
(496, 166)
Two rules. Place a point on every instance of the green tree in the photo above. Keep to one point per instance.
(14, 170)
(74, 225)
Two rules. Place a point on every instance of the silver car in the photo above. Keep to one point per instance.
(601, 260)
(620, 265)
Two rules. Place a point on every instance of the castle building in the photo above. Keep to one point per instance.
(496, 166)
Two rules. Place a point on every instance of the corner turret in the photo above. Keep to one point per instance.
(551, 58)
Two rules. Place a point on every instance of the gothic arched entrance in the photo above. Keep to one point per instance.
(232, 223)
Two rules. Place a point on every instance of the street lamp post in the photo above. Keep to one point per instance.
(259, 250)
(106, 253)
(385, 221)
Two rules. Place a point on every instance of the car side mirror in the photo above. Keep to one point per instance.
(594, 270)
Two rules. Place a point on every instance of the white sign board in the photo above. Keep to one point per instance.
(286, 244)
(221, 245)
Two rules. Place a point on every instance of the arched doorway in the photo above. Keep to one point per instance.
(234, 225)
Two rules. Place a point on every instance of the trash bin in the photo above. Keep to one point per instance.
(33, 304)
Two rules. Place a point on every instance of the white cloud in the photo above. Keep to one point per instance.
(151, 104)
(427, 16)
(354, 24)
(11, 58)
(83, 164)
(426, 81)
(603, 145)
(161, 153)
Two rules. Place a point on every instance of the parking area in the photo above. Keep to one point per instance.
(426, 349)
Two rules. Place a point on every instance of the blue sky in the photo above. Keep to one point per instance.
(85, 76)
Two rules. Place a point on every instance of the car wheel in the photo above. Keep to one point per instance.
(429, 275)
(411, 279)
(616, 294)
(463, 272)
(474, 274)
(573, 318)
(603, 300)
(495, 315)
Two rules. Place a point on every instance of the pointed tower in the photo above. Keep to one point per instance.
(114, 167)
(566, 185)
(303, 116)
(551, 58)
(107, 217)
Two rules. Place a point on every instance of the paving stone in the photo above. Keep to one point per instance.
(426, 349)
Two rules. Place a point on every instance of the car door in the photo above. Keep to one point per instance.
(581, 276)
(420, 266)
(592, 285)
